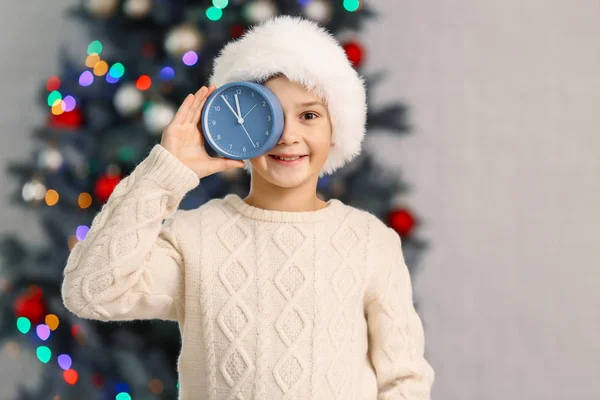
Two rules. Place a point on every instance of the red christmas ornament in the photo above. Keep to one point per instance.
(355, 53)
(402, 221)
(237, 31)
(70, 120)
(105, 186)
(149, 50)
(31, 305)
(98, 381)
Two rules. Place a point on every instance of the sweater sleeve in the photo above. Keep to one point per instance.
(129, 266)
(396, 336)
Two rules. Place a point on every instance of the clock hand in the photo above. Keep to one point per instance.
(231, 108)
(247, 134)
(237, 103)
(249, 111)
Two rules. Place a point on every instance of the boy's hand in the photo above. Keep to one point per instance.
(183, 137)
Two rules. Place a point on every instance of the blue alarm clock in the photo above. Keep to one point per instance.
(242, 120)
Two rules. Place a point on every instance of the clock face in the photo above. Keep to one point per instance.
(238, 122)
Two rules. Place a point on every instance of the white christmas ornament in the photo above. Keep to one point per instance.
(259, 11)
(50, 159)
(318, 10)
(128, 100)
(33, 190)
(158, 116)
(182, 39)
(137, 8)
(101, 8)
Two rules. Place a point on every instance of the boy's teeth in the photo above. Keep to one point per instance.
(287, 159)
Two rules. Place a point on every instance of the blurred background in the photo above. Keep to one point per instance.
(482, 153)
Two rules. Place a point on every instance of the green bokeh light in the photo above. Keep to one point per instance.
(53, 96)
(23, 325)
(123, 396)
(44, 354)
(95, 47)
(214, 13)
(117, 70)
(221, 3)
(351, 5)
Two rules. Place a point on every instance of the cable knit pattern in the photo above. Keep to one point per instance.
(271, 304)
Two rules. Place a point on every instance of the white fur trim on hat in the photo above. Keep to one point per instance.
(307, 54)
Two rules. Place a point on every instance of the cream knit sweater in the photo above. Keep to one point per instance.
(270, 304)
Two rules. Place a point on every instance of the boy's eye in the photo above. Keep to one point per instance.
(313, 115)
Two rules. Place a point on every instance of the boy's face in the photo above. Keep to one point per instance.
(306, 132)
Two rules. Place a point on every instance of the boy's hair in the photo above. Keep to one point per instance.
(307, 54)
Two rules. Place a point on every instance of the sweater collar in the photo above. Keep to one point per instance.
(238, 204)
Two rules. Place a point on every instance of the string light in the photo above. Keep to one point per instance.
(214, 13)
(70, 376)
(44, 354)
(167, 73)
(117, 71)
(81, 232)
(190, 58)
(53, 83)
(53, 97)
(43, 331)
(84, 200)
(64, 361)
(69, 103)
(92, 60)
(351, 5)
(51, 197)
(51, 321)
(95, 47)
(101, 68)
(156, 386)
(23, 325)
(144, 82)
(86, 78)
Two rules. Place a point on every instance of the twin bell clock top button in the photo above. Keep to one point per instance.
(242, 120)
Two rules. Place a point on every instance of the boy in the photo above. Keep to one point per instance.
(279, 295)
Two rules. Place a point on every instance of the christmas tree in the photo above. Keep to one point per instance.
(106, 110)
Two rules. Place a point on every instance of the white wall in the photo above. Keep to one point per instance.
(504, 98)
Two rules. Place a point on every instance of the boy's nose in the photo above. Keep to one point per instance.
(289, 135)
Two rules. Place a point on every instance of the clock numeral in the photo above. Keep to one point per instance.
(214, 122)
(267, 133)
(252, 94)
(264, 103)
(230, 146)
(218, 137)
(238, 91)
(268, 117)
(217, 108)
(258, 143)
(244, 149)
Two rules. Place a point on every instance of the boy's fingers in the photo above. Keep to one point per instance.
(196, 107)
(181, 114)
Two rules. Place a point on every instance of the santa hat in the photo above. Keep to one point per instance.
(308, 54)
